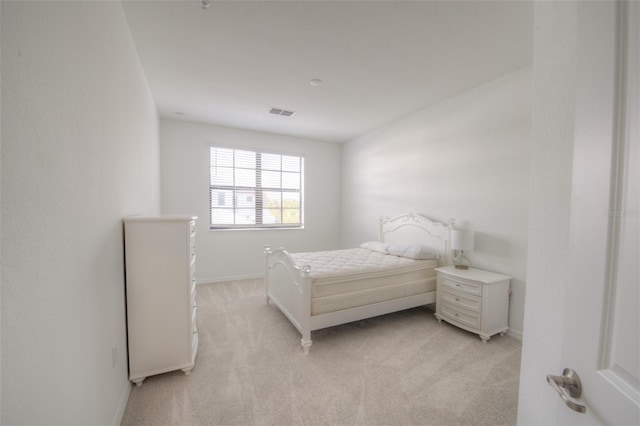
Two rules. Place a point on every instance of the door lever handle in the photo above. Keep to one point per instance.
(569, 382)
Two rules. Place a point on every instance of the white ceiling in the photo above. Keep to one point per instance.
(378, 60)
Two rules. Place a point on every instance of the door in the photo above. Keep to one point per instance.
(602, 331)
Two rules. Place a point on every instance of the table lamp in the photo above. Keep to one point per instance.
(461, 241)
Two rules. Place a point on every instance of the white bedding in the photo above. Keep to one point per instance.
(353, 261)
(343, 279)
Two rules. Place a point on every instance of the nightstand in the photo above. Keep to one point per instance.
(474, 300)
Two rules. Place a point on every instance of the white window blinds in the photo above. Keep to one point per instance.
(249, 189)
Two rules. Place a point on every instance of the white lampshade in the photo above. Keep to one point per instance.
(462, 240)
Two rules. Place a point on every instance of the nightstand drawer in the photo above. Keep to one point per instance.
(461, 300)
(460, 285)
(464, 317)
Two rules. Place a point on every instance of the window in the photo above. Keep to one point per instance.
(249, 189)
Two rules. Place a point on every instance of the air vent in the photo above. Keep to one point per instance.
(282, 112)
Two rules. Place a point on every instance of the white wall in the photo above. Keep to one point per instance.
(79, 152)
(466, 158)
(236, 254)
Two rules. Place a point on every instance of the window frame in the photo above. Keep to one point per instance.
(257, 190)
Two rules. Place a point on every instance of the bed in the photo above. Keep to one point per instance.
(322, 289)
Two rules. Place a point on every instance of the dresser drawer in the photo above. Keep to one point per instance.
(461, 300)
(192, 239)
(194, 346)
(194, 326)
(193, 292)
(466, 287)
(462, 316)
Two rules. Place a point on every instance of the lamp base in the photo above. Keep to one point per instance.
(460, 261)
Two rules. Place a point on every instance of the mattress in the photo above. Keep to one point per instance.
(343, 279)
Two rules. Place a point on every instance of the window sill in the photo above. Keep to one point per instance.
(286, 228)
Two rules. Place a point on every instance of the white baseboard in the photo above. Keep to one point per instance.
(232, 278)
(122, 404)
(516, 334)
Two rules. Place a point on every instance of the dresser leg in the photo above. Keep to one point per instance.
(485, 339)
(138, 382)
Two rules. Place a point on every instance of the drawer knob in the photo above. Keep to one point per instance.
(457, 299)
(456, 315)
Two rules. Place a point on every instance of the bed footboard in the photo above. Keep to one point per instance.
(289, 287)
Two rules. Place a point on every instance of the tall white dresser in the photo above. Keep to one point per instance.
(161, 294)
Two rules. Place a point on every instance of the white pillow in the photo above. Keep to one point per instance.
(412, 251)
(378, 246)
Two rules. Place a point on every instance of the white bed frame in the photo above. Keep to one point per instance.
(289, 285)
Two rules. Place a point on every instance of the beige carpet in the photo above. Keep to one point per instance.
(398, 369)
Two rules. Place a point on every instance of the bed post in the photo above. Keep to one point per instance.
(305, 308)
(381, 221)
(267, 252)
